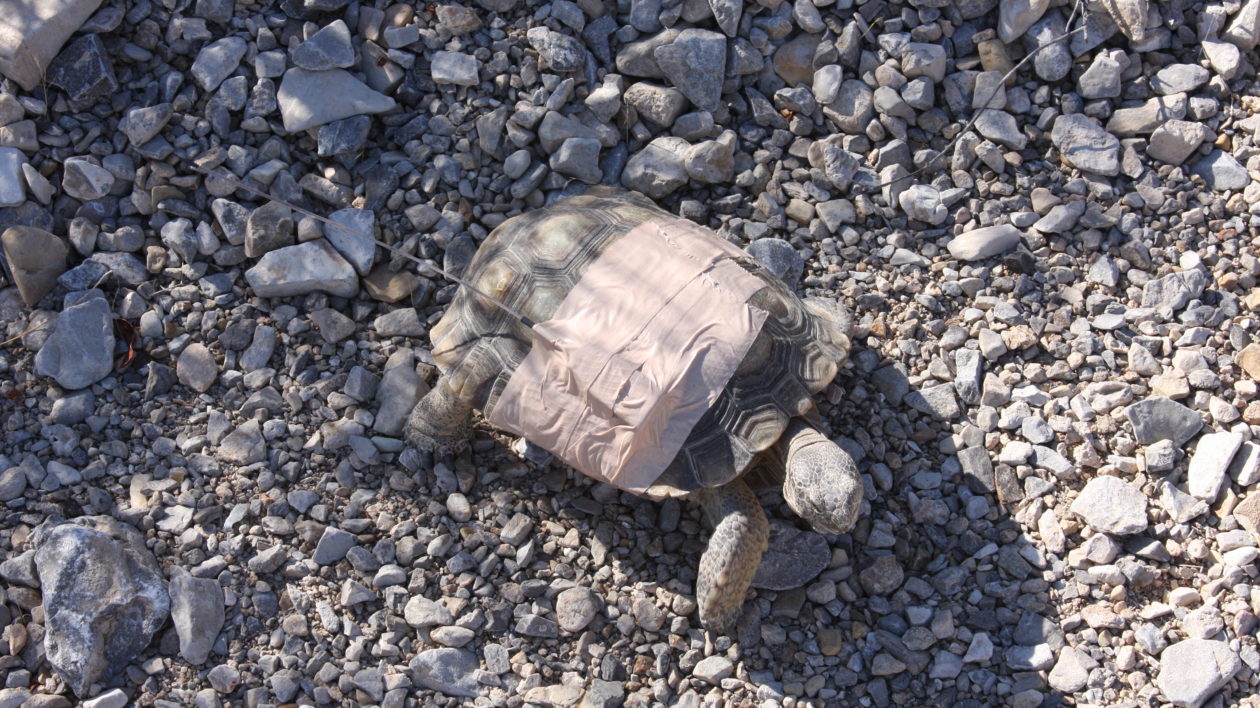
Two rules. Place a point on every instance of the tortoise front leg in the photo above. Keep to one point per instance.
(441, 422)
(740, 535)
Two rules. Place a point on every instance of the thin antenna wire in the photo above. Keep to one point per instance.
(426, 265)
(985, 104)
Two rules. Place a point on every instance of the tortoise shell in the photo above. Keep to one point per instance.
(530, 262)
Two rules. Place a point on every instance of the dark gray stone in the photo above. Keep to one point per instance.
(450, 671)
(779, 257)
(104, 596)
(342, 137)
(793, 558)
(1161, 418)
(84, 71)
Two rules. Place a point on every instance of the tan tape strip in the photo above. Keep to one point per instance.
(635, 354)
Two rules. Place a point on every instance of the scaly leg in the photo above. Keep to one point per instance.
(740, 533)
(440, 422)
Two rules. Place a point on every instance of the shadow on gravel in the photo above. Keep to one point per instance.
(935, 598)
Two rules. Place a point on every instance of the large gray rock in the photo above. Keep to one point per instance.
(1176, 140)
(1014, 18)
(311, 98)
(216, 61)
(32, 35)
(1191, 670)
(353, 237)
(1209, 467)
(1084, 144)
(696, 63)
(1244, 30)
(450, 671)
(301, 269)
(1111, 505)
(984, 242)
(1222, 171)
(104, 596)
(1159, 418)
(658, 169)
(80, 350)
(12, 184)
(197, 612)
(35, 258)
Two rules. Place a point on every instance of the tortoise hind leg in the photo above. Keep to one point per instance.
(740, 535)
(441, 422)
(821, 484)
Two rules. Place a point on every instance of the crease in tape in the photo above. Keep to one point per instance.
(635, 353)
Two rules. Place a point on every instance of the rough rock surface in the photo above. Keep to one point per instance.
(103, 594)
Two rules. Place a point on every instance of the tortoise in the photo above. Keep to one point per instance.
(762, 429)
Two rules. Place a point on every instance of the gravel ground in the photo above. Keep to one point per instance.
(1044, 216)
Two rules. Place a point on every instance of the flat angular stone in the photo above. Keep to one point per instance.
(1179, 78)
(1225, 58)
(36, 258)
(12, 182)
(1176, 140)
(658, 169)
(1222, 171)
(1101, 79)
(1210, 464)
(1001, 127)
(311, 98)
(85, 180)
(84, 71)
(329, 48)
(1111, 505)
(658, 104)
(1245, 469)
(301, 269)
(1161, 418)
(695, 62)
(1084, 144)
(1142, 119)
(1191, 670)
(727, 13)
(343, 137)
(32, 34)
(559, 52)
(197, 613)
(447, 670)
(268, 227)
(579, 158)
(143, 124)
(1243, 30)
(793, 558)
(984, 242)
(351, 241)
(196, 367)
(80, 350)
(244, 446)
(454, 68)
(1014, 18)
(216, 61)
(104, 596)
